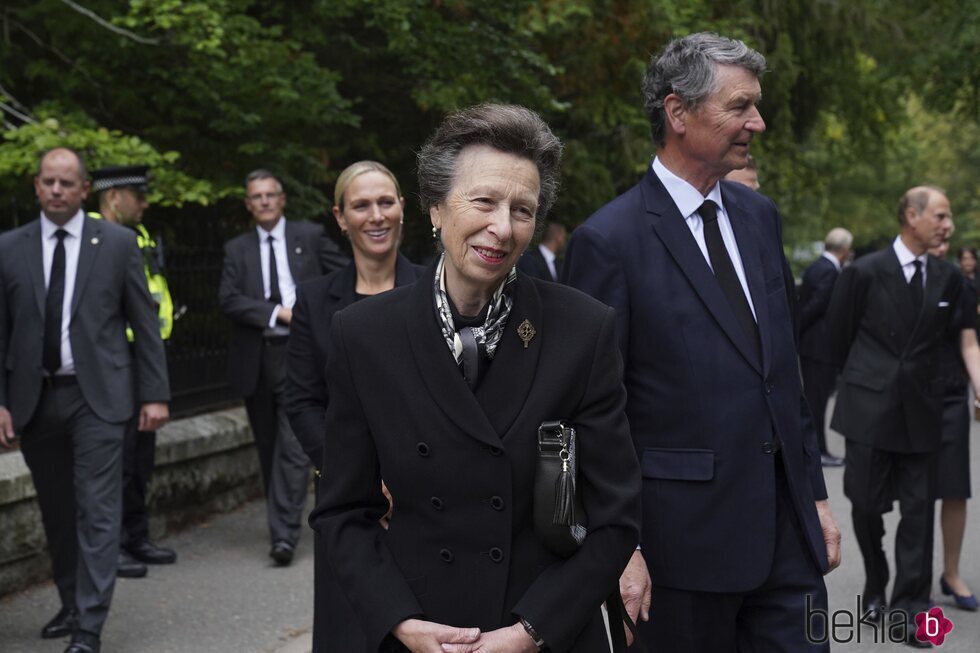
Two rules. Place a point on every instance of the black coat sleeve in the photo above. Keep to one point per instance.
(306, 387)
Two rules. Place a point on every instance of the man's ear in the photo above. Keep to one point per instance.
(675, 113)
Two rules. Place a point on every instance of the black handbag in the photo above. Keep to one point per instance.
(560, 521)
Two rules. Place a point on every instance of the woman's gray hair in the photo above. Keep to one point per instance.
(506, 127)
(687, 67)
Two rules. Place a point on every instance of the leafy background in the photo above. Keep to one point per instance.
(864, 98)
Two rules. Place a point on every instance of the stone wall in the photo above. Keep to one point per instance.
(204, 464)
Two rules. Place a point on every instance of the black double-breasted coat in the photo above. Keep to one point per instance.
(461, 548)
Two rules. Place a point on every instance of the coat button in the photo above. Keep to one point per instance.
(768, 447)
(496, 555)
(436, 503)
(446, 555)
(423, 449)
(768, 388)
(496, 503)
(495, 451)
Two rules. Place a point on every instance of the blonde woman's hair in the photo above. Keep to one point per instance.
(355, 170)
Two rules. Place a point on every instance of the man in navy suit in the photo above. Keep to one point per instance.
(816, 360)
(737, 531)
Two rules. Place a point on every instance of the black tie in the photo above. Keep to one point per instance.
(51, 353)
(724, 271)
(915, 286)
(274, 296)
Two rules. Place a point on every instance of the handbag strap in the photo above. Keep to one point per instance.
(618, 615)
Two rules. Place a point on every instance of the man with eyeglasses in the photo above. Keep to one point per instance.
(257, 293)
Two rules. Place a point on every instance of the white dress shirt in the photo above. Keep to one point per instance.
(905, 259)
(549, 259)
(73, 244)
(688, 200)
(833, 259)
(287, 287)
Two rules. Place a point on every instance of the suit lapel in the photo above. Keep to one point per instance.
(507, 383)
(668, 223)
(253, 264)
(296, 254)
(935, 282)
(438, 368)
(747, 239)
(88, 251)
(33, 252)
(342, 289)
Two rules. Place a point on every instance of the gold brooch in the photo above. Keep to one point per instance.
(525, 331)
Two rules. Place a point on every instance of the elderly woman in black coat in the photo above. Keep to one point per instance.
(440, 388)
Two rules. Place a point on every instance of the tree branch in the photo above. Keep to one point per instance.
(109, 26)
(15, 113)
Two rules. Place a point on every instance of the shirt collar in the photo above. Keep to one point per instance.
(687, 198)
(833, 259)
(548, 255)
(73, 226)
(278, 232)
(904, 254)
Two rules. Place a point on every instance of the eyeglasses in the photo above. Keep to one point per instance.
(258, 197)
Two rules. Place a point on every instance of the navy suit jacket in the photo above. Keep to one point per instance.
(532, 262)
(702, 410)
(818, 285)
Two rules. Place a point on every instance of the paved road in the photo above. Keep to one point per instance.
(224, 594)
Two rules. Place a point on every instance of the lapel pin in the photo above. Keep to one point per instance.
(526, 331)
(95, 241)
(299, 250)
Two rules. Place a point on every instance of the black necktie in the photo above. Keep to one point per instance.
(915, 286)
(274, 296)
(51, 352)
(724, 271)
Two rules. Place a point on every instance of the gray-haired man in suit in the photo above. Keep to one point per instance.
(69, 286)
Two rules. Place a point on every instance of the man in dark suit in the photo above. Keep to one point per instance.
(257, 293)
(737, 531)
(542, 261)
(77, 283)
(816, 361)
(888, 316)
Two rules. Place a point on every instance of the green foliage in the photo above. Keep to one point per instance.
(862, 99)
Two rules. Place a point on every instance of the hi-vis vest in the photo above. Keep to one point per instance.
(155, 281)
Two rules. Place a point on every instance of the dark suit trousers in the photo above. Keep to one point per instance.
(818, 385)
(75, 460)
(872, 478)
(770, 618)
(139, 455)
(285, 468)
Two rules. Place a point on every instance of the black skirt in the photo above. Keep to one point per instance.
(954, 455)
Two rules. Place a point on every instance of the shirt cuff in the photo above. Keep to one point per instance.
(275, 314)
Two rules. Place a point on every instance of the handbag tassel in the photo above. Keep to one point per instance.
(564, 497)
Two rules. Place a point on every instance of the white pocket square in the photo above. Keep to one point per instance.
(943, 304)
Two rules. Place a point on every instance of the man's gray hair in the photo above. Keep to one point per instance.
(838, 239)
(687, 67)
(261, 173)
(509, 128)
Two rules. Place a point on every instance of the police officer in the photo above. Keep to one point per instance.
(122, 200)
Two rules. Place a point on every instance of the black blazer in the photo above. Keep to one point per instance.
(702, 408)
(241, 294)
(461, 548)
(818, 285)
(309, 334)
(110, 294)
(890, 394)
(532, 262)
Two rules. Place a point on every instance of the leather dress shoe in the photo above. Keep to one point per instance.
(968, 602)
(84, 642)
(874, 607)
(151, 554)
(912, 640)
(126, 567)
(61, 625)
(282, 553)
(830, 460)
